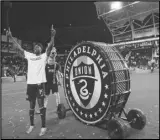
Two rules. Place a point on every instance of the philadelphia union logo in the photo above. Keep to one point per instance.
(86, 81)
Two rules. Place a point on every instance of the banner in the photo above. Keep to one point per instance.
(123, 37)
(145, 32)
(142, 45)
(146, 43)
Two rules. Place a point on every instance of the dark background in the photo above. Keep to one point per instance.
(74, 21)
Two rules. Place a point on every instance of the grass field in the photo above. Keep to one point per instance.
(15, 118)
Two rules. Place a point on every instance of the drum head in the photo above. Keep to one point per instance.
(87, 82)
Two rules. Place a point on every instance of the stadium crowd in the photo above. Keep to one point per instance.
(16, 65)
(142, 61)
(13, 65)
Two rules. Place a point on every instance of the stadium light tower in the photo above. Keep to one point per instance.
(116, 5)
(129, 21)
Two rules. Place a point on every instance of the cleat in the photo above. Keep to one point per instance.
(43, 131)
(30, 129)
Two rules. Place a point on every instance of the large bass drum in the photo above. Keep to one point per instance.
(96, 82)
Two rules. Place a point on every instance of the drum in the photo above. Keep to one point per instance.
(96, 82)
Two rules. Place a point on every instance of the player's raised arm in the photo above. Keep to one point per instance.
(51, 43)
(17, 45)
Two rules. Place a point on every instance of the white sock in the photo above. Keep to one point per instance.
(58, 97)
(46, 102)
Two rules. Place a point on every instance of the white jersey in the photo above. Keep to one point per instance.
(36, 68)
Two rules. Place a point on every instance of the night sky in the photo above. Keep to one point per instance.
(32, 21)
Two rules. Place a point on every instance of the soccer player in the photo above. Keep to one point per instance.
(36, 78)
(53, 76)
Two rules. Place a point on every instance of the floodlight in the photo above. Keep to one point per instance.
(116, 5)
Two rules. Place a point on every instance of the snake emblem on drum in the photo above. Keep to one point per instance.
(83, 91)
(86, 77)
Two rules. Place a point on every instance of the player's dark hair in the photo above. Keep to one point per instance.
(40, 44)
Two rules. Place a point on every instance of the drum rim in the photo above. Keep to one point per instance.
(109, 103)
